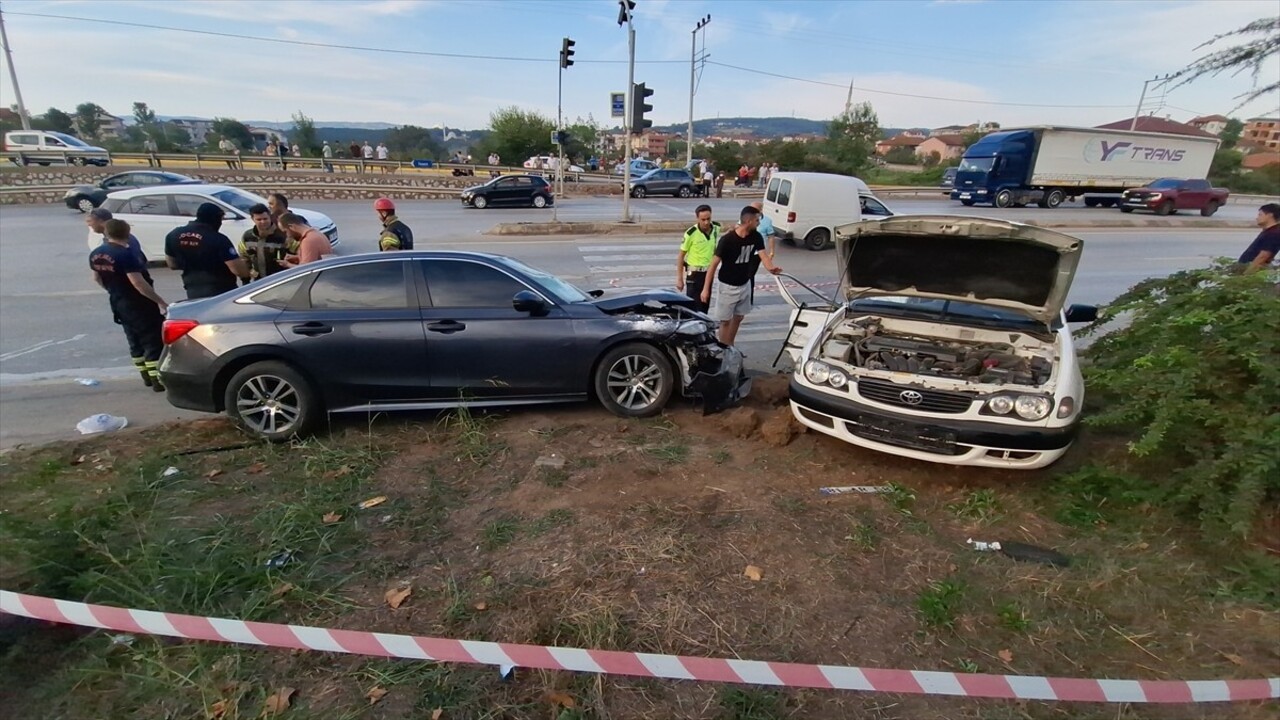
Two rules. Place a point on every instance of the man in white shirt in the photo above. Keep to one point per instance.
(383, 154)
(327, 153)
(226, 147)
(367, 151)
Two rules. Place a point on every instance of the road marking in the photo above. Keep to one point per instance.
(627, 248)
(64, 293)
(38, 347)
(606, 258)
(47, 376)
(616, 269)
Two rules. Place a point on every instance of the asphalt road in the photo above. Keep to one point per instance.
(55, 325)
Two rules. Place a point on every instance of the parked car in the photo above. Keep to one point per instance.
(87, 197)
(1169, 195)
(422, 330)
(679, 183)
(966, 359)
(949, 177)
(639, 166)
(44, 147)
(153, 212)
(806, 207)
(509, 191)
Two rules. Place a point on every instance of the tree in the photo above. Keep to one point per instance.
(234, 130)
(143, 115)
(54, 119)
(1231, 133)
(410, 141)
(851, 138)
(518, 134)
(86, 120)
(584, 138)
(304, 134)
(901, 156)
(1252, 56)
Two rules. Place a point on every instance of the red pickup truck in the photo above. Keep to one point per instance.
(1169, 195)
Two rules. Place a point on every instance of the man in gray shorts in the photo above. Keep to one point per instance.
(739, 253)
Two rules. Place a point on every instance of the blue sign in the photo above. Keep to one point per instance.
(424, 163)
(618, 103)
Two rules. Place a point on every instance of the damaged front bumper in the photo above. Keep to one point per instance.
(714, 373)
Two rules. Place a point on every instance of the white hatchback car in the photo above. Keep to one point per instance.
(949, 343)
(153, 212)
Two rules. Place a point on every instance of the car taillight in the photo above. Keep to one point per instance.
(175, 330)
(791, 217)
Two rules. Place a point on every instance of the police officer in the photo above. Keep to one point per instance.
(264, 246)
(134, 303)
(207, 259)
(696, 250)
(395, 234)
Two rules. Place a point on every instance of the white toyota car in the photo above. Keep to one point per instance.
(153, 212)
(948, 342)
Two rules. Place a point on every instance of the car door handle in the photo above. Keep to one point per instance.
(311, 329)
(446, 326)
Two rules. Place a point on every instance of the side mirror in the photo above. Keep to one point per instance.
(1082, 313)
(529, 302)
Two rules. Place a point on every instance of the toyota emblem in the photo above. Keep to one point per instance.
(911, 397)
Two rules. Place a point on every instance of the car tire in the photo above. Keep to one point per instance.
(1004, 199)
(260, 392)
(684, 191)
(1054, 198)
(634, 380)
(638, 192)
(967, 203)
(539, 201)
(84, 204)
(77, 161)
(479, 202)
(817, 239)
(1126, 210)
(1165, 208)
(1209, 210)
(1091, 202)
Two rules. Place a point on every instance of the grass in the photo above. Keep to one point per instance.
(1094, 496)
(738, 703)
(938, 604)
(500, 532)
(721, 456)
(1012, 617)
(670, 453)
(900, 498)
(473, 436)
(553, 477)
(557, 518)
(790, 505)
(863, 535)
(980, 505)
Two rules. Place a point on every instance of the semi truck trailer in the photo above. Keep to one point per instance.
(1049, 165)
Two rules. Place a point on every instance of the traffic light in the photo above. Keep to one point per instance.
(638, 108)
(566, 53)
(625, 8)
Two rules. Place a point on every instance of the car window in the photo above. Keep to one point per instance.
(366, 286)
(54, 142)
(116, 205)
(118, 181)
(522, 182)
(149, 205)
(188, 204)
(1197, 184)
(505, 183)
(68, 139)
(280, 295)
(24, 139)
(772, 194)
(871, 206)
(460, 284)
(784, 193)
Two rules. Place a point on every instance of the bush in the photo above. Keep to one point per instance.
(1194, 373)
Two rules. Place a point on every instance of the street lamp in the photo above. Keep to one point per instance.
(693, 61)
(626, 8)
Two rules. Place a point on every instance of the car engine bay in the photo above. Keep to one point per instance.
(865, 343)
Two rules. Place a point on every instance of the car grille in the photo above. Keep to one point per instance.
(925, 438)
(930, 400)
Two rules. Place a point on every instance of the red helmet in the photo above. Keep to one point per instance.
(384, 204)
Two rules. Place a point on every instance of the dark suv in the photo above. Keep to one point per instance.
(678, 183)
(509, 191)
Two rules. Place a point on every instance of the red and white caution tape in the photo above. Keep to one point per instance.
(609, 662)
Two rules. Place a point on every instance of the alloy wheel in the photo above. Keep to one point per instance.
(268, 404)
(635, 382)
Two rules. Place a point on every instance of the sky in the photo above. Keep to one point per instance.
(926, 63)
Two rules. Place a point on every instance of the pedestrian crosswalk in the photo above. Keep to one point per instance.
(653, 265)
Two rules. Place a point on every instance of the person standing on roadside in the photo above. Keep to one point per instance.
(149, 147)
(354, 149)
(312, 245)
(326, 152)
(226, 147)
(395, 234)
(383, 154)
(263, 246)
(135, 305)
(1264, 248)
(207, 259)
(696, 249)
(720, 185)
(708, 180)
(738, 254)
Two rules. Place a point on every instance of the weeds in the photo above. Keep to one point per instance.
(499, 532)
(721, 456)
(980, 505)
(790, 505)
(1013, 617)
(901, 498)
(938, 603)
(552, 520)
(672, 453)
(863, 535)
(473, 435)
(554, 477)
(1094, 496)
(751, 704)
(1253, 577)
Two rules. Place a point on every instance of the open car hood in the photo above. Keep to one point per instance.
(992, 262)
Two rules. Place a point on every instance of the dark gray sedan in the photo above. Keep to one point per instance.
(87, 197)
(432, 330)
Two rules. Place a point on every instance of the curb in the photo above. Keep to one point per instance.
(668, 226)
(636, 664)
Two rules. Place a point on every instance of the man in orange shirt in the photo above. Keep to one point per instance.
(311, 243)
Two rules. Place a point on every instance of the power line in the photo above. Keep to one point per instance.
(899, 94)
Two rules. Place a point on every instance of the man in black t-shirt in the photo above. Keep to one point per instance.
(135, 305)
(1264, 248)
(739, 253)
(207, 259)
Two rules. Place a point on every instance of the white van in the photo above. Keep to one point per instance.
(44, 147)
(806, 207)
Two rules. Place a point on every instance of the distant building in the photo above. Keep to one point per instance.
(262, 136)
(198, 129)
(905, 140)
(109, 127)
(951, 130)
(1151, 123)
(1262, 132)
(948, 147)
(1212, 124)
(1259, 160)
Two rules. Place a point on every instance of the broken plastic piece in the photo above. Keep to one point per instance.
(170, 471)
(279, 560)
(844, 489)
(101, 423)
(88, 382)
(983, 546)
(124, 639)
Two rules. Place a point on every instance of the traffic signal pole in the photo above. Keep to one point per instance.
(631, 91)
(555, 212)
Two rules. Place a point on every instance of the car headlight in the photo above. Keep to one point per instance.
(1156, 196)
(1000, 404)
(817, 372)
(693, 328)
(838, 379)
(1032, 407)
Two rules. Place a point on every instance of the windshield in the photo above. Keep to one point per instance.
(1165, 184)
(563, 291)
(980, 164)
(68, 139)
(239, 199)
(944, 310)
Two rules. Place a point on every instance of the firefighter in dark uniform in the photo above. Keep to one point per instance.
(207, 259)
(264, 246)
(395, 234)
(134, 303)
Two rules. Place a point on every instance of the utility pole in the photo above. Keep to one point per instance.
(693, 61)
(13, 76)
(1133, 125)
(566, 59)
(626, 9)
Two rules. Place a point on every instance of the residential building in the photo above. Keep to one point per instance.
(948, 147)
(1151, 123)
(1264, 132)
(109, 127)
(951, 130)
(262, 136)
(1212, 124)
(1259, 160)
(198, 129)
(655, 144)
(904, 140)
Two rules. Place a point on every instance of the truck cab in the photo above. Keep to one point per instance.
(994, 169)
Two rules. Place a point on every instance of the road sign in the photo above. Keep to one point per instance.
(618, 104)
